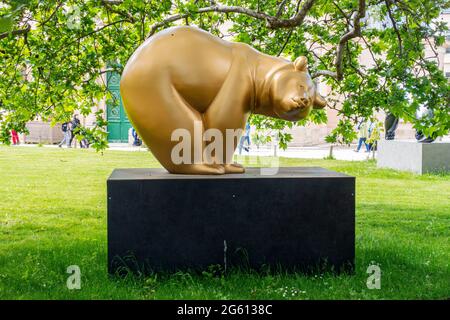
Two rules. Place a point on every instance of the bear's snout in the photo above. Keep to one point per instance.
(302, 102)
(295, 109)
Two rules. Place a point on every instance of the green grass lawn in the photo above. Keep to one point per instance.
(53, 214)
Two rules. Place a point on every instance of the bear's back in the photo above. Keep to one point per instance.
(189, 49)
(190, 57)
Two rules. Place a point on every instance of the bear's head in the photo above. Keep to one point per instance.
(293, 94)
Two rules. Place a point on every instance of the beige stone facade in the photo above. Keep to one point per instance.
(42, 132)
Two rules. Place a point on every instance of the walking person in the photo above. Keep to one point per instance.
(245, 138)
(370, 131)
(84, 142)
(74, 127)
(363, 133)
(136, 140)
(15, 137)
(65, 128)
(375, 131)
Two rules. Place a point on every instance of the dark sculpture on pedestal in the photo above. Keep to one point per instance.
(186, 79)
(390, 125)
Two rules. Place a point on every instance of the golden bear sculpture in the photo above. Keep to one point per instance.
(189, 94)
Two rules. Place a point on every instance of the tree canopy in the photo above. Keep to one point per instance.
(53, 53)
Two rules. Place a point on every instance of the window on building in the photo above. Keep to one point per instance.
(447, 50)
(447, 75)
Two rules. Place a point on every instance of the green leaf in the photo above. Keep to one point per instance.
(6, 24)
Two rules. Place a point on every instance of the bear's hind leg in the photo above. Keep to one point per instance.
(172, 122)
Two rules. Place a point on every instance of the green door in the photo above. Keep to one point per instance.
(118, 123)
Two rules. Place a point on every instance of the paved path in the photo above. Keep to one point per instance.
(313, 152)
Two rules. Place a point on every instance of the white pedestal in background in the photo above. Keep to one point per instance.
(413, 156)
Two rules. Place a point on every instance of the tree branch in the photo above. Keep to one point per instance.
(353, 33)
(342, 12)
(280, 8)
(52, 14)
(271, 21)
(113, 2)
(100, 29)
(325, 73)
(109, 6)
(16, 32)
(288, 38)
(369, 47)
(394, 25)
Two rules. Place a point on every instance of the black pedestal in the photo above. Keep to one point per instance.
(295, 220)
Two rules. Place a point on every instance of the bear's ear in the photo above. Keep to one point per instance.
(301, 63)
(319, 102)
